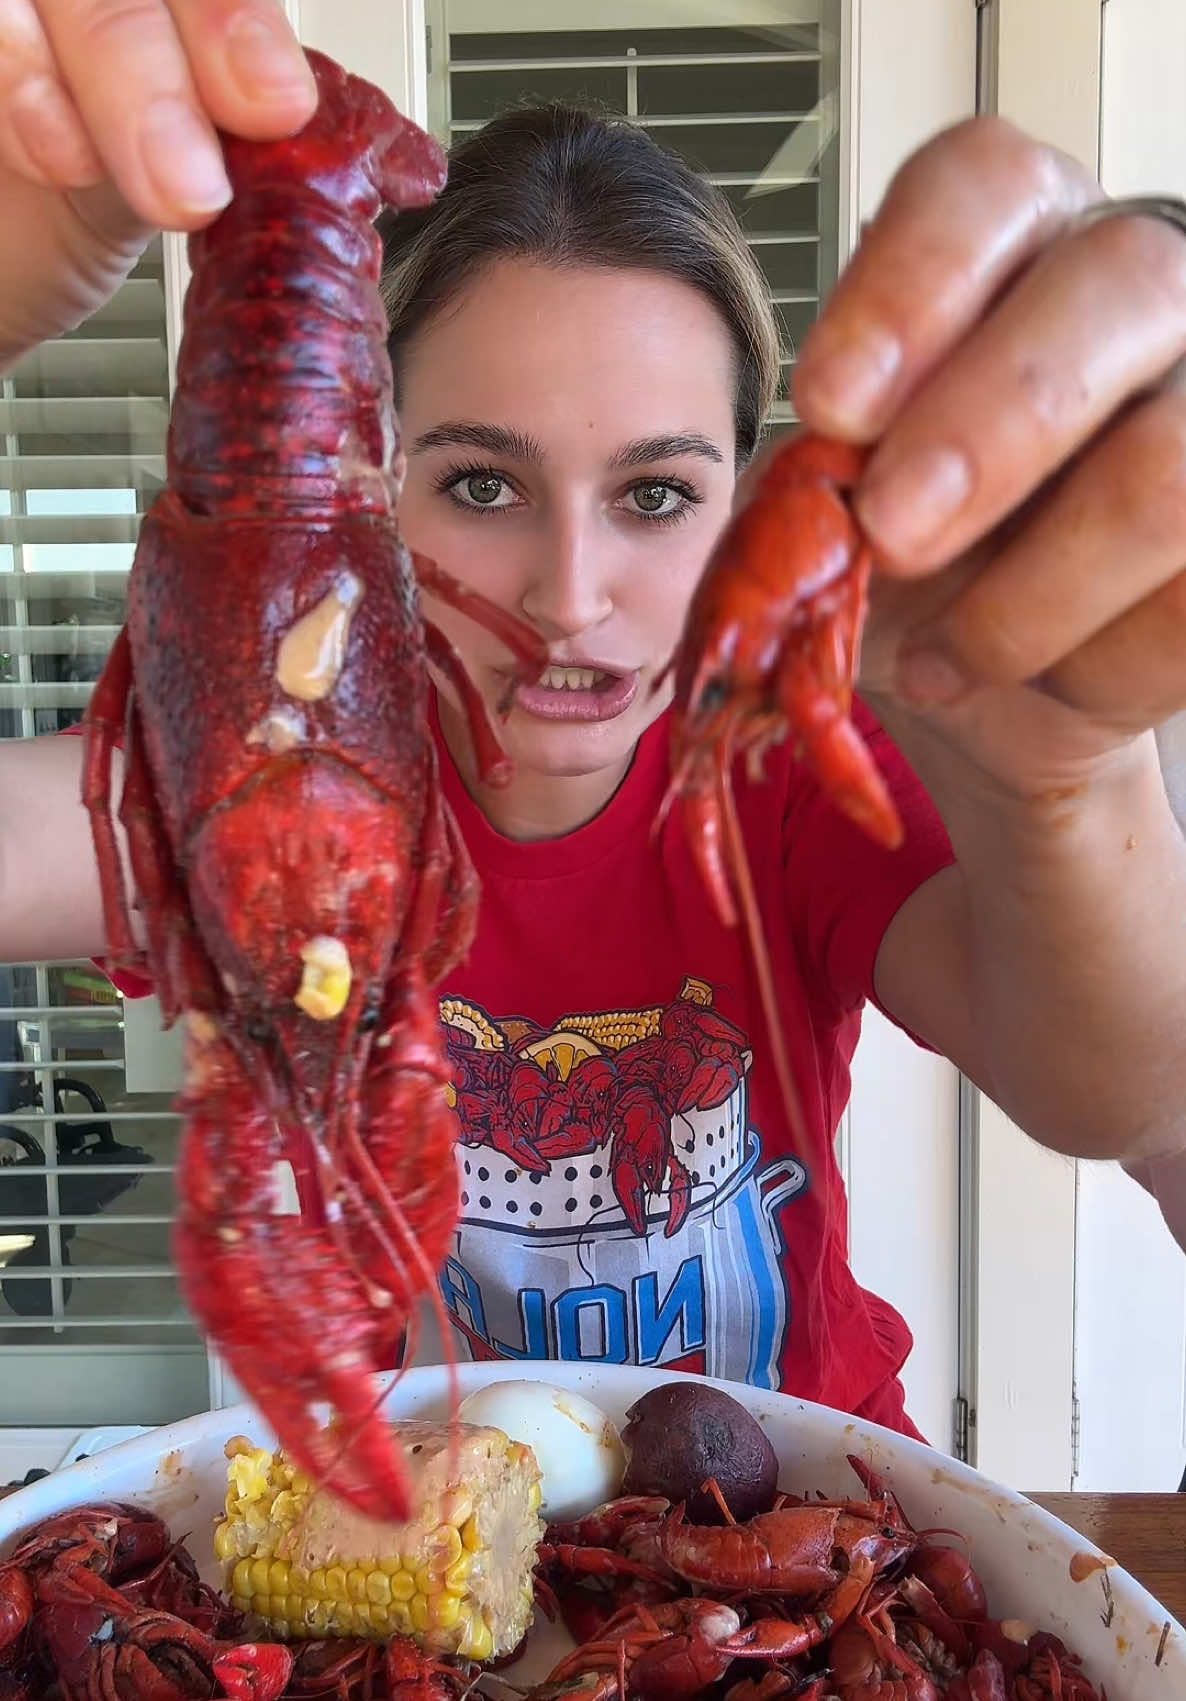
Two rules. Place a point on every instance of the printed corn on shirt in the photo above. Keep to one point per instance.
(630, 1191)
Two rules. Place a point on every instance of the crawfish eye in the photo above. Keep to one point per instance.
(258, 1030)
(713, 696)
(368, 1018)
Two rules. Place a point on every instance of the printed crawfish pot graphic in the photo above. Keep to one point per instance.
(614, 1206)
(621, 1111)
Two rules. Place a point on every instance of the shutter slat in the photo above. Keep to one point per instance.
(65, 584)
(67, 1322)
(140, 301)
(635, 61)
(89, 1169)
(82, 472)
(95, 366)
(764, 239)
(685, 120)
(42, 696)
(69, 528)
(111, 1219)
(146, 417)
(65, 640)
(91, 1272)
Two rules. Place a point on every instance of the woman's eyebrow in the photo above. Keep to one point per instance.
(644, 449)
(476, 434)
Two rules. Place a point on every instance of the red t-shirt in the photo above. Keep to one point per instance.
(606, 936)
(630, 1189)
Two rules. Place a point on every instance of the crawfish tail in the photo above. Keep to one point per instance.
(787, 1553)
(284, 394)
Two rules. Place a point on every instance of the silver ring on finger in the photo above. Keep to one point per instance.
(1168, 208)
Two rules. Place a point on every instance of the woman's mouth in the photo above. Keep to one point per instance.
(578, 694)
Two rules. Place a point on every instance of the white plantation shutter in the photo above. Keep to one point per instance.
(752, 103)
(92, 1327)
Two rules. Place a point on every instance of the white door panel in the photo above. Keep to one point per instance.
(1131, 1299)
(904, 1207)
(1130, 1357)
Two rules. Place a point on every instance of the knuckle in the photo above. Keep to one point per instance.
(1148, 474)
(1146, 251)
(111, 25)
(991, 644)
(993, 156)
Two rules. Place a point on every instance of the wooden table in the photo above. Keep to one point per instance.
(1145, 1533)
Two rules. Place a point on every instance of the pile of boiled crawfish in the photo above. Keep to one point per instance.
(816, 1600)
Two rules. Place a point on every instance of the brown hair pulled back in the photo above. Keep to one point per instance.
(571, 187)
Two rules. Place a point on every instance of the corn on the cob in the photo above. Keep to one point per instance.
(457, 1577)
(613, 1030)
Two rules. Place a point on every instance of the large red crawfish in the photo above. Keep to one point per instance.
(302, 884)
(770, 648)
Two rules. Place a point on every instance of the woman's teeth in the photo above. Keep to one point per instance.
(571, 678)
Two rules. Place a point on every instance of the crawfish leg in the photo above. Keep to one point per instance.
(493, 767)
(458, 913)
(401, 1155)
(526, 645)
(679, 1195)
(815, 705)
(186, 978)
(246, 1267)
(105, 722)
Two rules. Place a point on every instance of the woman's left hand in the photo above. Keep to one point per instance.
(1027, 494)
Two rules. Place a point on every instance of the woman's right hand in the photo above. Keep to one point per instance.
(108, 117)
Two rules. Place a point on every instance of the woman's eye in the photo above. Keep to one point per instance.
(656, 499)
(481, 490)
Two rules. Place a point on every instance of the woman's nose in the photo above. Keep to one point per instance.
(569, 591)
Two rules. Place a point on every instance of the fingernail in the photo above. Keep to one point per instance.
(182, 158)
(909, 503)
(849, 377)
(929, 678)
(264, 59)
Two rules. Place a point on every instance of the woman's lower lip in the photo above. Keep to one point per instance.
(599, 703)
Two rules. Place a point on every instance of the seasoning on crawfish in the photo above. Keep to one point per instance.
(770, 648)
(302, 884)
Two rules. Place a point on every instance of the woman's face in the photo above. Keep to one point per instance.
(570, 446)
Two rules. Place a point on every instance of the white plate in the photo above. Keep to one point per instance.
(1023, 1554)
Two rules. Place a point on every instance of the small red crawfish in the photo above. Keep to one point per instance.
(771, 648)
(673, 1652)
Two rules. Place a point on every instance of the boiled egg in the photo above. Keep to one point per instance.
(576, 1445)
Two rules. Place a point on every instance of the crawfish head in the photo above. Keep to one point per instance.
(110, 1537)
(95, 1649)
(539, 1099)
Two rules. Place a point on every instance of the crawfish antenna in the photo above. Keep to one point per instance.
(743, 881)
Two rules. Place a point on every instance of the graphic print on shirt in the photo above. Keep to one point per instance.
(613, 1204)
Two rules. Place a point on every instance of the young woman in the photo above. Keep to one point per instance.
(583, 361)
